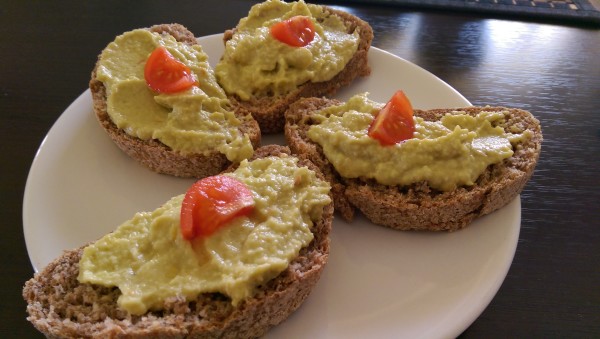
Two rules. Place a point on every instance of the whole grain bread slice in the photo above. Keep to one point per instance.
(61, 307)
(154, 154)
(269, 111)
(417, 206)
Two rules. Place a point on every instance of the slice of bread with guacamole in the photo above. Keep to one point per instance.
(282, 52)
(61, 306)
(417, 184)
(190, 131)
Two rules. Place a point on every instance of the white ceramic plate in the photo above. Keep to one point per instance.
(378, 283)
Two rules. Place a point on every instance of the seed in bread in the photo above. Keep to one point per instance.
(277, 74)
(60, 306)
(172, 150)
(418, 206)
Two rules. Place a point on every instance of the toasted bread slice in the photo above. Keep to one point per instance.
(417, 206)
(269, 111)
(60, 307)
(153, 153)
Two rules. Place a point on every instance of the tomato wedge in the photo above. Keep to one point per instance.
(394, 122)
(165, 74)
(212, 202)
(297, 31)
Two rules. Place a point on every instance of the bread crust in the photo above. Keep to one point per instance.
(417, 206)
(154, 154)
(61, 307)
(269, 111)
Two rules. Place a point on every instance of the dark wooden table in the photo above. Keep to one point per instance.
(552, 69)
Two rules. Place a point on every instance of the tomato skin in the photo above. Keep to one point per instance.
(165, 74)
(297, 31)
(211, 203)
(394, 122)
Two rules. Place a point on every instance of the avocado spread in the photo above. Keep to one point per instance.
(448, 153)
(149, 261)
(256, 65)
(197, 120)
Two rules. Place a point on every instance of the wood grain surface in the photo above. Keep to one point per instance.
(553, 287)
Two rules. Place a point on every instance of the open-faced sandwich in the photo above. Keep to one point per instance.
(284, 51)
(158, 99)
(416, 170)
(231, 258)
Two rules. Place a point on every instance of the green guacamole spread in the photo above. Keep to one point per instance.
(447, 154)
(197, 120)
(255, 64)
(149, 261)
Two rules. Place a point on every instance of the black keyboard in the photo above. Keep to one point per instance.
(573, 10)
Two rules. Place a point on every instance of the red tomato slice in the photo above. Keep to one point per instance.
(394, 123)
(297, 31)
(211, 203)
(165, 74)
